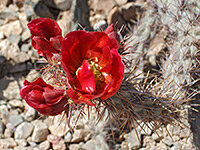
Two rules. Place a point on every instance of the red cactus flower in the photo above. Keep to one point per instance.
(46, 36)
(43, 97)
(93, 66)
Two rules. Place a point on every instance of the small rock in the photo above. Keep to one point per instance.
(30, 142)
(21, 142)
(74, 147)
(14, 38)
(9, 130)
(28, 9)
(63, 4)
(102, 6)
(121, 2)
(7, 143)
(25, 35)
(4, 113)
(44, 145)
(60, 130)
(2, 127)
(57, 142)
(23, 148)
(89, 145)
(23, 131)
(21, 57)
(15, 120)
(11, 28)
(25, 47)
(68, 137)
(61, 145)
(40, 131)
(132, 140)
(16, 103)
(9, 14)
(30, 114)
(12, 91)
(79, 135)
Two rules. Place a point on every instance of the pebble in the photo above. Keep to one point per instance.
(25, 35)
(132, 140)
(7, 143)
(74, 147)
(121, 2)
(15, 120)
(89, 145)
(16, 103)
(60, 129)
(44, 145)
(23, 131)
(40, 131)
(12, 91)
(57, 142)
(21, 142)
(14, 39)
(9, 130)
(25, 47)
(30, 142)
(4, 113)
(30, 114)
(63, 4)
(11, 28)
(79, 135)
(2, 126)
(68, 137)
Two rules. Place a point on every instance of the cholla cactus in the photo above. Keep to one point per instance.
(146, 95)
(168, 87)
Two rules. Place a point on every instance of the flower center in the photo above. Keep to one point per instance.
(95, 69)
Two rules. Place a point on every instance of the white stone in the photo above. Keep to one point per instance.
(11, 28)
(23, 131)
(40, 131)
(7, 143)
(133, 140)
(121, 2)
